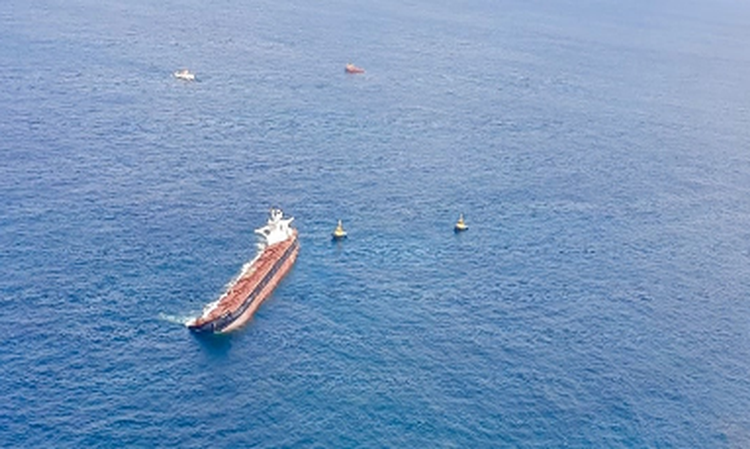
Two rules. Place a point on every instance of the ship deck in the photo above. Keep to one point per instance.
(243, 286)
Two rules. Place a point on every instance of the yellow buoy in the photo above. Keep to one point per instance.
(339, 232)
(460, 224)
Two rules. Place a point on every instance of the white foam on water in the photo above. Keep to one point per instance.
(182, 320)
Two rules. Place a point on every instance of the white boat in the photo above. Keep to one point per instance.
(184, 74)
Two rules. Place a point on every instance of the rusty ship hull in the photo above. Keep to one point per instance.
(253, 286)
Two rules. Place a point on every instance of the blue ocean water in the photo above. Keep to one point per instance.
(600, 151)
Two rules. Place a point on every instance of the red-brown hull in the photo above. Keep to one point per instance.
(354, 70)
(252, 287)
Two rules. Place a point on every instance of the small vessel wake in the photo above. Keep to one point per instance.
(182, 320)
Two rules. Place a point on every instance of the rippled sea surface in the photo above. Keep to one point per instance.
(600, 151)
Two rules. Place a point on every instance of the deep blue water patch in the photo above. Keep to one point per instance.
(599, 151)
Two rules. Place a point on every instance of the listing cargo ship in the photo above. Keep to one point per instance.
(256, 281)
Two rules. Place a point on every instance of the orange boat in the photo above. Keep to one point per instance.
(256, 281)
(351, 68)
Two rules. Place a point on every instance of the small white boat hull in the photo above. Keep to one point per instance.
(184, 75)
